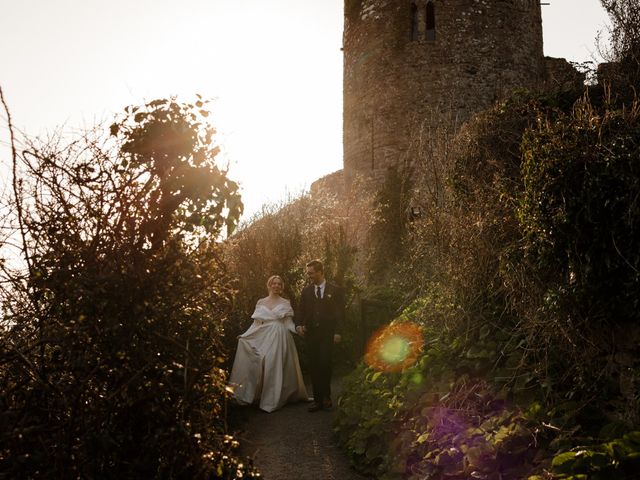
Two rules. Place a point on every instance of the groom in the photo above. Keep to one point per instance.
(320, 314)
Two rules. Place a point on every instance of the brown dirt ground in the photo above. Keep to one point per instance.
(292, 443)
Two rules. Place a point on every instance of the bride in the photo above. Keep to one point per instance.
(266, 367)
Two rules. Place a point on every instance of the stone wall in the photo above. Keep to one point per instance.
(400, 78)
(332, 183)
(561, 75)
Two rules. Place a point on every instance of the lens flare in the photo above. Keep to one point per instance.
(394, 347)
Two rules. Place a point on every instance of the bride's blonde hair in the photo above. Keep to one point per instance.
(272, 278)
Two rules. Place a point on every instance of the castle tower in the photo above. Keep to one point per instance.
(411, 65)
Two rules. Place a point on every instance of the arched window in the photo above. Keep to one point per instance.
(431, 22)
(414, 21)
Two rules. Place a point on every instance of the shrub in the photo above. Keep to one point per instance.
(618, 459)
(282, 239)
(575, 272)
(624, 18)
(111, 360)
(437, 418)
(579, 214)
(533, 322)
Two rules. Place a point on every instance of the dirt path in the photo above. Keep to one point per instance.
(292, 443)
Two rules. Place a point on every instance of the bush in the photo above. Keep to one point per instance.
(282, 239)
(437, 418)
(575, 272)
(579, 214)
(525, 268)
(624, 18)
(618, 459)
(110, 364)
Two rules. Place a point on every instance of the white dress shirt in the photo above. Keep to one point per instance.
(315, 288)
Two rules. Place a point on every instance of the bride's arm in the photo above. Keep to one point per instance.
(253, 325)
(288, 322)
(287, 318)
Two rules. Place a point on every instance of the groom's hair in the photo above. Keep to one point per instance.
(316, 265)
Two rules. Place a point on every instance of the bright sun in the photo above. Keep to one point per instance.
(275, 68)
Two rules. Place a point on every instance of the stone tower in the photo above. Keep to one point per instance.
(411, 64)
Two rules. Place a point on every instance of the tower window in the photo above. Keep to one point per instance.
(430, 21)
(414, 21)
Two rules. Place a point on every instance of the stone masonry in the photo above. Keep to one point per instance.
(412, 65)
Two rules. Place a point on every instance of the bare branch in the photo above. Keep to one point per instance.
(16, 182)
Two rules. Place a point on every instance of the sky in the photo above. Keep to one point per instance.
(272, 67)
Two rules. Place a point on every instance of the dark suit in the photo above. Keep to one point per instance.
(322, 318)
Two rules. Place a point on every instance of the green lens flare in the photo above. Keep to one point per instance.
(395, 350)
(394, 347)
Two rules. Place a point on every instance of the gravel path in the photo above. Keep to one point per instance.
(292, 443)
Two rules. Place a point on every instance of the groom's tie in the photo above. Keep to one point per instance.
(318, 293)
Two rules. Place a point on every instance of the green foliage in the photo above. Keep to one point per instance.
(364, 423)
(172, 144)
(438, 418)
(579, 213)
(110, 365)
(619, 459)
(573, 273)
(526, 270)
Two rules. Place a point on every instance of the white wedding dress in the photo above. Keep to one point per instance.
(266, 367)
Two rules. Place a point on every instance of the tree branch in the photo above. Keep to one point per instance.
(16, 192)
